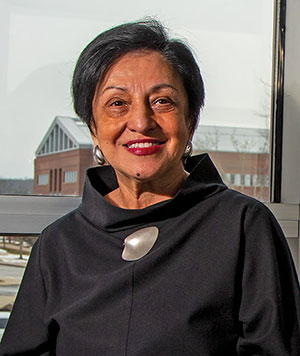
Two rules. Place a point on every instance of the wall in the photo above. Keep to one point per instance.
(74, 160)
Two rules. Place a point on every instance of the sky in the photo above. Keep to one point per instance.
(42, 39)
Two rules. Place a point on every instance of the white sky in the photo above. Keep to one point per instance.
(41, 40)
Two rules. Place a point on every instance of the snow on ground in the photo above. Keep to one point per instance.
(10, 258)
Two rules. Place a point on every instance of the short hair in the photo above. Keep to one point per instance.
(97, 58)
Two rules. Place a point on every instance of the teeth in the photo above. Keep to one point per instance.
(142, 145)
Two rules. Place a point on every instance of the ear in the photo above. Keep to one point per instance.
(95, 140)
(93, 135)
(191, 129)
(93, 130)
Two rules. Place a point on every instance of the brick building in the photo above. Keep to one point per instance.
(240, 154)
(62, 158)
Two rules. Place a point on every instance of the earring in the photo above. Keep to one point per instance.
(98, 156)
(188, 151)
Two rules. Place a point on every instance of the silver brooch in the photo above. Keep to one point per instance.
(139, 243)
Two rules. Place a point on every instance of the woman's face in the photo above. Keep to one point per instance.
(140, 111)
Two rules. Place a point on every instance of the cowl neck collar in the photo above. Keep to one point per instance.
(203, 182)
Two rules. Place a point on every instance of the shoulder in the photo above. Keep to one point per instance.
(254, 216)
(57, 241)
(261, 233)
(251, 205)
(63, 226)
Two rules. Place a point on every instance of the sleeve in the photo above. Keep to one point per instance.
(26, 332)
(269, 312)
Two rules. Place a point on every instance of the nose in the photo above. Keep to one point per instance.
(141, 118)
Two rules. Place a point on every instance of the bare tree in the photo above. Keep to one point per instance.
(209, 141)
(16, 186)
(244, 146)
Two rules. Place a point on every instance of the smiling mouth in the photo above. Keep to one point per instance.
(143, 144)
(143, 147)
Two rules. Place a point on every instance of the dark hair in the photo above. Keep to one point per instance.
(96, 59)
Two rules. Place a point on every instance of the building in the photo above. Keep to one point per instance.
(240, 154)
(62, 158)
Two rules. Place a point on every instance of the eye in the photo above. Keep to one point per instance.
(163, 101)
(117, 103)
(164, 104)
(116, 107)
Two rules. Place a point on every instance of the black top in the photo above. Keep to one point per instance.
(218, 281)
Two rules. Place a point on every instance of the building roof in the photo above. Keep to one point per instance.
(68, 133)
(64, 134)
(231, 139)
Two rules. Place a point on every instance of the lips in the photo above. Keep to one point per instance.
(143, 147)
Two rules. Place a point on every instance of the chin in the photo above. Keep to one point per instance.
(145, 171)
(143, 174)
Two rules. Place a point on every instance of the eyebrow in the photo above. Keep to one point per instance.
(153, 89)
(162, 86)
(113, 87)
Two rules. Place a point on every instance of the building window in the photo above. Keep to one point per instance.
(51, 179)
(51, 142)
(55, 180)
(43, 179)
(248, 180)
(232, 179)
(59, 179)
(65, 141)
(56, 138)
(242, 179)
(70, 177)
(61, 138)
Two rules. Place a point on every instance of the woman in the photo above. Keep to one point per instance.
(160, 258)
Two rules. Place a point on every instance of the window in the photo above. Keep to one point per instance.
(238, 150)
(242, 179)
(248, 181)
(233, 44)
(43, 179)
(70, 177)
(51, 180)
(59, 179)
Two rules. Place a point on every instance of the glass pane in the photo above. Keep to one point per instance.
(41, 41)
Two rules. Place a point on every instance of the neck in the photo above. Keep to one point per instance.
(135, 194)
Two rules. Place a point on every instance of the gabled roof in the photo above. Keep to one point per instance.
(64, 134)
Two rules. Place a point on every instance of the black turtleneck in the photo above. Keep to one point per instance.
(218, 281)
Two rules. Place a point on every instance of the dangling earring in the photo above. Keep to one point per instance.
(98, 156)
(188, 151)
